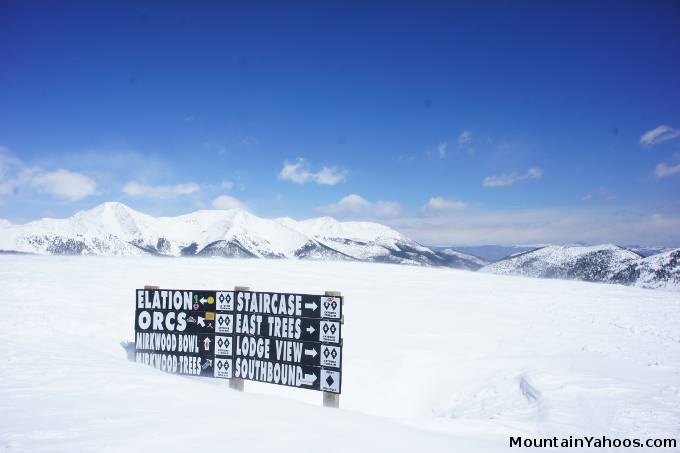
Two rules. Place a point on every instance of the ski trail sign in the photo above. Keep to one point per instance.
(278, 338)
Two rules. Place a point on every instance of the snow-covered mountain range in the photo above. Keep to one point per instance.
(115, 229)
(601, 263)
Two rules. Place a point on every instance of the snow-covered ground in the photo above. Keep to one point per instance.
(434, 359)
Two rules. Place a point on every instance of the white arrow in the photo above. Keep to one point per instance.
(203, 300)
(200, 322)
(206, 344)
(308, 377)
(311, 352)
(310, 329)
(313, 305)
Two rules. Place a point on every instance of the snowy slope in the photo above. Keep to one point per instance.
(367, 241)
(115, 229)
(656, 271)
(495, 252)
(458, 361)
(592, 263)
(463, 260)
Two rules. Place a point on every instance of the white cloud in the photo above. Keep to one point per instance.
(64, 184)
(227, 185)
(440, 204)
(543, 226)
(226, 202)
(442, 150)
(658, 135)
(508, 180)
(465, 138)
(7, 161)
(354, 205)
(135, 189)
(664, 170)
(298, 172)
(61, 184)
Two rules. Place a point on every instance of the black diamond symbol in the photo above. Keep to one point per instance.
(325, 305)
(219, 365)
(221, 297)
(226, 343)
(220, 342)
(334, 304)
(330, 381)
(228, 297)
(325, 328)
(326, 353)
(226, 366)
(334, 353)
(333, 329)
(220, 320)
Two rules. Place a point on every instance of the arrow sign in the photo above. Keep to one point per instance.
(206, 344)
(203, 300)
(308, 353)
(310, 330)
(200, 321)
(285, 304)
(310, 379)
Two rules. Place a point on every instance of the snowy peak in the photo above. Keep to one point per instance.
(115, 229)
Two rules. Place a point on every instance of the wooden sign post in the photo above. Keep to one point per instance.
(238, 384)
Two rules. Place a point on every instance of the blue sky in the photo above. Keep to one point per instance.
(457, 123)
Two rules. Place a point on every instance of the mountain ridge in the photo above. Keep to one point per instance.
(606, 263)
(112, 228)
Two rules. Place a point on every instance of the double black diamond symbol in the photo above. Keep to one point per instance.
(330, 352)
(223, 342)
(332, 328)
(225, 298)
(223, 320)
(222, 364)
(333, 304)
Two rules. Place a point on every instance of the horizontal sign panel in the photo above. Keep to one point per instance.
(263, 303)
(284, 304)
(176, 300)
(285, 327)
(182, 343)
(276, 350)
(290, 375)
(177, 363)
(175, 321)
